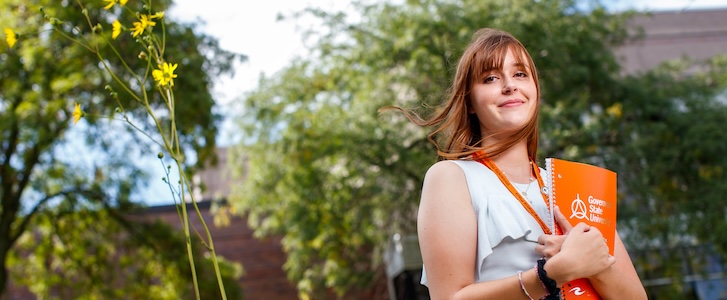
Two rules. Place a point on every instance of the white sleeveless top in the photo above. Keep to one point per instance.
(506, 233)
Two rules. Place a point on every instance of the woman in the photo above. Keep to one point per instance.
(478, 241)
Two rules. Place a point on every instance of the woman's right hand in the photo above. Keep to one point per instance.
(584, 253)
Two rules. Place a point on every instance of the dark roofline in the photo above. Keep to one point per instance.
(204, 204)
(683, 11)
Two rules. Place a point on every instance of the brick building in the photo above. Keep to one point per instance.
(262, 259)
(698, 34)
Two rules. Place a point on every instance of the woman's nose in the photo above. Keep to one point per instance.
(509, 87)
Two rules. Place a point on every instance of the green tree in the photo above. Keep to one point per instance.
(335, 179)
(82, 252)
(41, 77)
(666, 141)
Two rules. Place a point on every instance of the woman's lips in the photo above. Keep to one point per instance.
(511, 103)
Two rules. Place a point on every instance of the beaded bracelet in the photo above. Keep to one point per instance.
(550, 285)
(541, 282)
(522, 286)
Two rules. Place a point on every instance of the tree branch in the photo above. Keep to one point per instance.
(26, 220)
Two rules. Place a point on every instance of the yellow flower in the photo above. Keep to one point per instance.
(77, 113)
(115, 29)
(143, 23)
(164, 76)
(10, 37)
(112, 2)
(158, 15)
(615, 110)
(110, 5)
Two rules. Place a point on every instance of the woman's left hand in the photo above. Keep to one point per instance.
(549, 244)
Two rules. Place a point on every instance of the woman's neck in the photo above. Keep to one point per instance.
(515, 163)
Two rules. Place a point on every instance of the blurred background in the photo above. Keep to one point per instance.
(309, 191)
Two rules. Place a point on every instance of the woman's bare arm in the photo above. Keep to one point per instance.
(447, 229)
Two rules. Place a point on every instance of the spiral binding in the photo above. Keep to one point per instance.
(549, 189)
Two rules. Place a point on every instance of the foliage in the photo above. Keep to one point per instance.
(130, 259)
(335, 179)
(668, 150)
(61, 57)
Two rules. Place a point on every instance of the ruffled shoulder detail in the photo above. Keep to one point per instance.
(499, 214)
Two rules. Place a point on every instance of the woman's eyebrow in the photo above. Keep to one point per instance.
(490, 69)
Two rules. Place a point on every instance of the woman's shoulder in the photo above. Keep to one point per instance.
(444, 171)
(447, 168)
(443, 166)
(457, 167)
(455, 172)
(445, 187)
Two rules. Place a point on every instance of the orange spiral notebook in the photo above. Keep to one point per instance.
(584, 193)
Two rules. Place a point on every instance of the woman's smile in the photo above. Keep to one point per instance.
(512, 103)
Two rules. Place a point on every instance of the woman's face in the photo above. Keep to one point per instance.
(504, 98)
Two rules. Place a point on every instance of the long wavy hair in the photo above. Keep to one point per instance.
(457, 131)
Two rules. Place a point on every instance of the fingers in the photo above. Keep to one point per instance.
(542, 239)
(549, 245)
(611, 260)
(594, 231)
(581, 228)
(586, 250)
(540, 250)
(562, 220)
(549, 239)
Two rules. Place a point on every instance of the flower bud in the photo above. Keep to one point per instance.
(160, 155)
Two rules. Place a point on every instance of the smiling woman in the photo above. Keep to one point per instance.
(489, 129)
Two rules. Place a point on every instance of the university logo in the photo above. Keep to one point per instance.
(578, 209)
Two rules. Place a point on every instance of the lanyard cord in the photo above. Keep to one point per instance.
(483, 159)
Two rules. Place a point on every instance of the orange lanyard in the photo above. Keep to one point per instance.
(483, 159)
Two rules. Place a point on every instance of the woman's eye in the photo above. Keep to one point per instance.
(490, 78)
(521, 74)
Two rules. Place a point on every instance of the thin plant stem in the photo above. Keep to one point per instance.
(176, 156)
(171, 143)
(210, 244)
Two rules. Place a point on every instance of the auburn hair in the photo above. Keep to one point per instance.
(457, 132)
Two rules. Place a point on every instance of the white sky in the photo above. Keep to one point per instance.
(251, 28)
